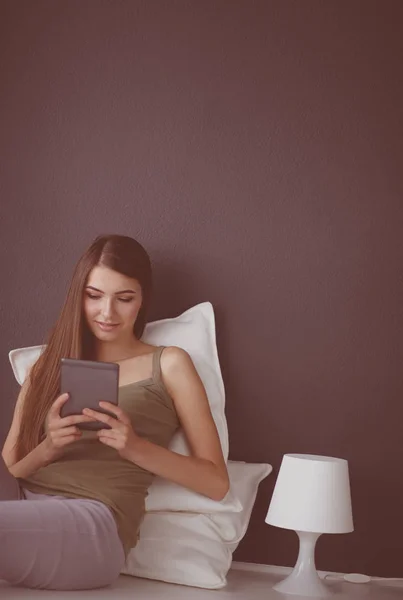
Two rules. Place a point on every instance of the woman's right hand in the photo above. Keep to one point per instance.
(61, 431)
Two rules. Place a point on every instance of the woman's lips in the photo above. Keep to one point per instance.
(106, 326)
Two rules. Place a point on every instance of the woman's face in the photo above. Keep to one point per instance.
(111, 304)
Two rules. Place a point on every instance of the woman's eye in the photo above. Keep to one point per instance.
(92, 297)
(125, 299)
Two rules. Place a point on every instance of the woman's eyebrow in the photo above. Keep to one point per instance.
(90, 287)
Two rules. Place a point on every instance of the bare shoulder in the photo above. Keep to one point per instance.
(174, 359)
(181, 378)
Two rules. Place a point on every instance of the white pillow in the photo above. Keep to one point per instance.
(194, 331)
(196, 549)
(164, 495)
(180, 548)
(245, 479)
(22, 359)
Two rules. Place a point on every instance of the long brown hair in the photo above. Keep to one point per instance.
(71, 336)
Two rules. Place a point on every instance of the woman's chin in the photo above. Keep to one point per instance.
(119, 333)
(105, 335)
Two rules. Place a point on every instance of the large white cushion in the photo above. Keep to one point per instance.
(196, 549)
(194, 331)
(165, 495)
(245, 479)
(180, 548)
(22, 359)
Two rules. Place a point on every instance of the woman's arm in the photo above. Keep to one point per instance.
(34, 460)
(198, 474)
(205, 470)
(39, 457)
(9, 449)
(60, 432)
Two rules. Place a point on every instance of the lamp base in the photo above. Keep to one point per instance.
(304, 579)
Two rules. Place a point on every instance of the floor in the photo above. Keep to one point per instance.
(242, 585)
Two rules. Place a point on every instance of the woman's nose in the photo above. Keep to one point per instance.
(107, 309)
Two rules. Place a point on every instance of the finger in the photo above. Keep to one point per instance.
(101, 417)
(57, 404)
(116, 410)
(66, 431)
(107, 441)
(110, 433)
(57, 423)
(73, 420)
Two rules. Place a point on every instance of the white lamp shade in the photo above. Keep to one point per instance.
(312, 493)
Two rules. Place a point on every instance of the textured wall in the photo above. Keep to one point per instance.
(255, 148)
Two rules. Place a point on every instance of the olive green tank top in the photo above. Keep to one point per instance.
(90, 469)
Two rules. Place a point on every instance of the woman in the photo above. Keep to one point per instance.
(72, 500)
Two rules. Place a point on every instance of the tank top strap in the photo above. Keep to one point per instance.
(157, 363)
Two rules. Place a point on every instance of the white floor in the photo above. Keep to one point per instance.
(242, 585)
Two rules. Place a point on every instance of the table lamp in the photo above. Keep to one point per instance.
(311, 497)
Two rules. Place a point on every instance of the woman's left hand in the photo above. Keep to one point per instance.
(121, 435)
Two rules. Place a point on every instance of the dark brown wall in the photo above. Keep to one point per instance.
(255, 148)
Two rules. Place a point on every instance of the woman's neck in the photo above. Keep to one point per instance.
(117, 351)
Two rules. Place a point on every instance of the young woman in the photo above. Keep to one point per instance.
(72, 501)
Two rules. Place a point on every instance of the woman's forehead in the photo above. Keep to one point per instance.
(106, 280)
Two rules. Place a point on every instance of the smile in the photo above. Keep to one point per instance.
(106, 326)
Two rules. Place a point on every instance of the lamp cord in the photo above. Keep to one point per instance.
(361, 578)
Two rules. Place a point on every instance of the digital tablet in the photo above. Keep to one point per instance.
(88, 382)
